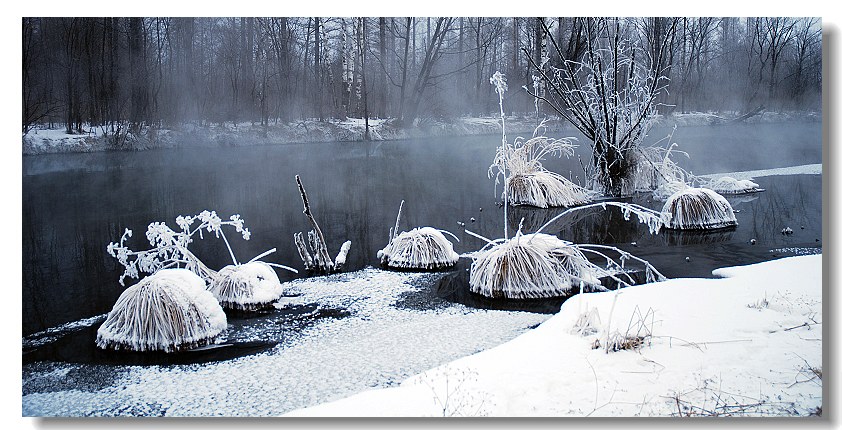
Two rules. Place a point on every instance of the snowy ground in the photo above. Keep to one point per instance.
(747, 344)
(40, 140)
(387, 338)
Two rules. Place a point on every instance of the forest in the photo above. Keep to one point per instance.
(126, 74)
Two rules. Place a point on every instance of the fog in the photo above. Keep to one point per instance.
(132, 74)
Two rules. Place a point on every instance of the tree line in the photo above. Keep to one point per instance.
(128, 73)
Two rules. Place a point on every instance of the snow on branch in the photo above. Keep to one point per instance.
(170, 248)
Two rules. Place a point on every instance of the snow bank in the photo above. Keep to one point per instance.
(747, 344)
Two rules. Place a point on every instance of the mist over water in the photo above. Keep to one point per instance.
(75, 204)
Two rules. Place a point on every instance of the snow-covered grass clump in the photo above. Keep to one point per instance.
(420, 248)
(530, 266)
(423, 248)
(168, 311)
(248, 287)
(729, 185)
(527, 182)
(698, 209)
(539, 265)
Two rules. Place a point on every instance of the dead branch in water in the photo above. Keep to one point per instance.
(317, 259)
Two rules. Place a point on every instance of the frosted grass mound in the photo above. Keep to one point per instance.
(544, 189)
(247, 287)
(423, 248)
(537, 265)
(420, 248)
(729, 185)
(698, 209)
(530, 266)
(167, 311)
(525, 180)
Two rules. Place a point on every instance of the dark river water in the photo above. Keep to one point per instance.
(75, 204)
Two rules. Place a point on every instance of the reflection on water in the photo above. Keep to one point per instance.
(698, 237)
(75, 204)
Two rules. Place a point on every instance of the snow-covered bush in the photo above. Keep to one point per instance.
(169, 248)
(698, 209)
(249, 287)
(540, 265)
(423, 248)
(525, 180)
(729, 185)
(236, 286)
(168, 311)
(419, 248)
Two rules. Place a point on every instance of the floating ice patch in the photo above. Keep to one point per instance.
(804, 169)
(54, 333)
(796, 251)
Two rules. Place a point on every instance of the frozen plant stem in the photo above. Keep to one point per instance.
(499, 81)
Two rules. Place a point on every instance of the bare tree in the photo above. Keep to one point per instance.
(609, 96)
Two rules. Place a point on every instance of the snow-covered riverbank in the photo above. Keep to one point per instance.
(747, 344)
(42, 141)
(393, 329)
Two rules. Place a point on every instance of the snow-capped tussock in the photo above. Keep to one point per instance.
(167, 311)
(420, 248)
(698, 209)
(544, 189)
(530, 266)
(729, 185)
(250, 286)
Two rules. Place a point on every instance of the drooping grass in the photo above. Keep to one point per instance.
(545, 189)
(167, 311)
(423, 248)
(247, 287)
(527, 182)
(698, 209)
(420, 248)
(540, 265)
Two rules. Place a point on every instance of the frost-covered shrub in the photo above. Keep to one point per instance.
(698, 209)
(420, 248)
(423, 248)
(168, 311)
(539, 265)
(170, 248)
(729, 185)
(248, 287)
(527, 182)
(529, 266)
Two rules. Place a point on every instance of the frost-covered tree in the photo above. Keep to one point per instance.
(609, 95)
